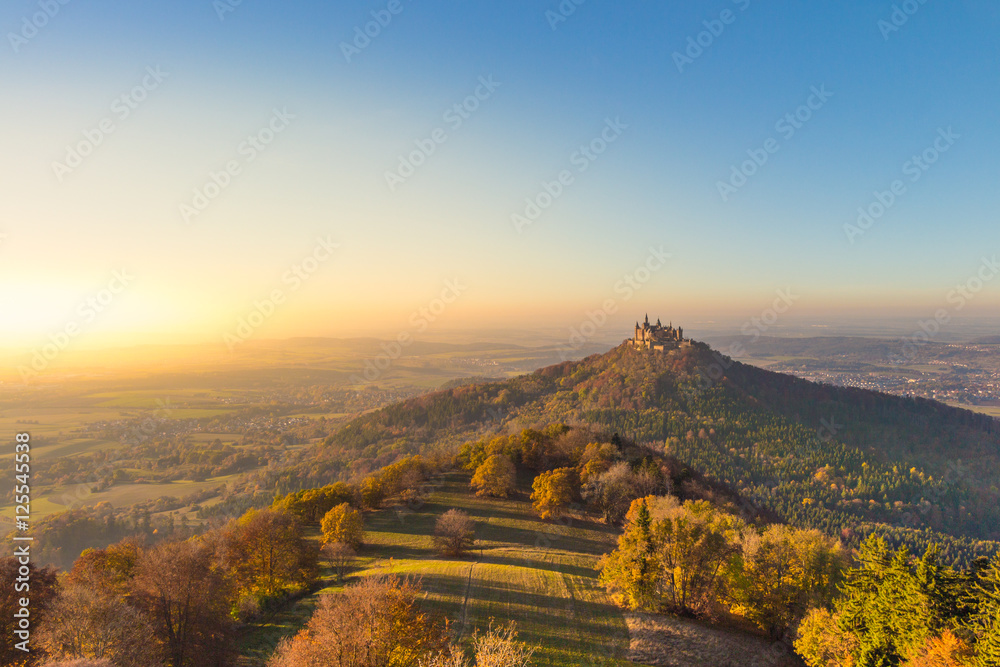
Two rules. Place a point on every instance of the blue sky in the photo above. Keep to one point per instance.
(656, 184)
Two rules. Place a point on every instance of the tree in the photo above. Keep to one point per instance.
(596, 459)
(895, 604)
(265, 553)
(374, 623)
(453, 658)
(92, 621)
(946, 650)
(672, 557)
(188, 601)
(344, 524)
(43, 592)
(454, 533)
(554, 491)
(821, 642)
(372, 492)
(986, 622)
(496, 477)
(310, 505)
(499, 647)
(341, 556)
(631, 572)
(612, 492)
(113, 567)
(781, 574)
(694, 546)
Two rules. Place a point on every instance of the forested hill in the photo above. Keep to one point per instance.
(846, 461)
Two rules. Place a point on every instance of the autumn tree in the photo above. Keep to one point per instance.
(679, 566)
(188, 601)
(310, 505)
(631, 572)
(344, 524)
(499, 647)
(821, 642)
(454, 533)
(553, 491)
(340, 556)
(114, 566)
(495, 478)
(372, 492)
(403, 477)
(781, 574)
(92, 621)
(43, 592)
(374, 623)
(613, 491)
(694, 546)
(596, 459)
(946, 650)
(265, 553)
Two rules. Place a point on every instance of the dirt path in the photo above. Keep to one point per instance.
(465, 602)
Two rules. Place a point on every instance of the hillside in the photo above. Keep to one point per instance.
(847, 461)
(540, 574)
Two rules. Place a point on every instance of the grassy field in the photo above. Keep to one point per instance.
(540, 574)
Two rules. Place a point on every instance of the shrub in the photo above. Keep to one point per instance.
(499, 648)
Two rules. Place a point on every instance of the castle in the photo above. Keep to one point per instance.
(657, 337)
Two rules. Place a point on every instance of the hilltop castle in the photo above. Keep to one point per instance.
(657, 337)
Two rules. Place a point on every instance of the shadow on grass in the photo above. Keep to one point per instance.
(534, 564)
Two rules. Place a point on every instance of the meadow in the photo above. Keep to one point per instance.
(540, 574)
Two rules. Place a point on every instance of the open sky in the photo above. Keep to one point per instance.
(712, 152)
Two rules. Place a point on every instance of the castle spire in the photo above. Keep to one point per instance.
(647, 318)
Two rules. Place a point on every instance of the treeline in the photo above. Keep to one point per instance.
(176, 603)
(587, 469)
(180, 602)
(693, 559)
(895, 609)
(882, 608)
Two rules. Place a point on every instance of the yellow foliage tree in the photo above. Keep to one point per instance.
(784, 572)
(821, 642)
(496, 477)
(265, 552)
(343, 524)
(554, 491)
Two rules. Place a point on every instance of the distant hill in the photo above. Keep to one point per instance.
(847, 461)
